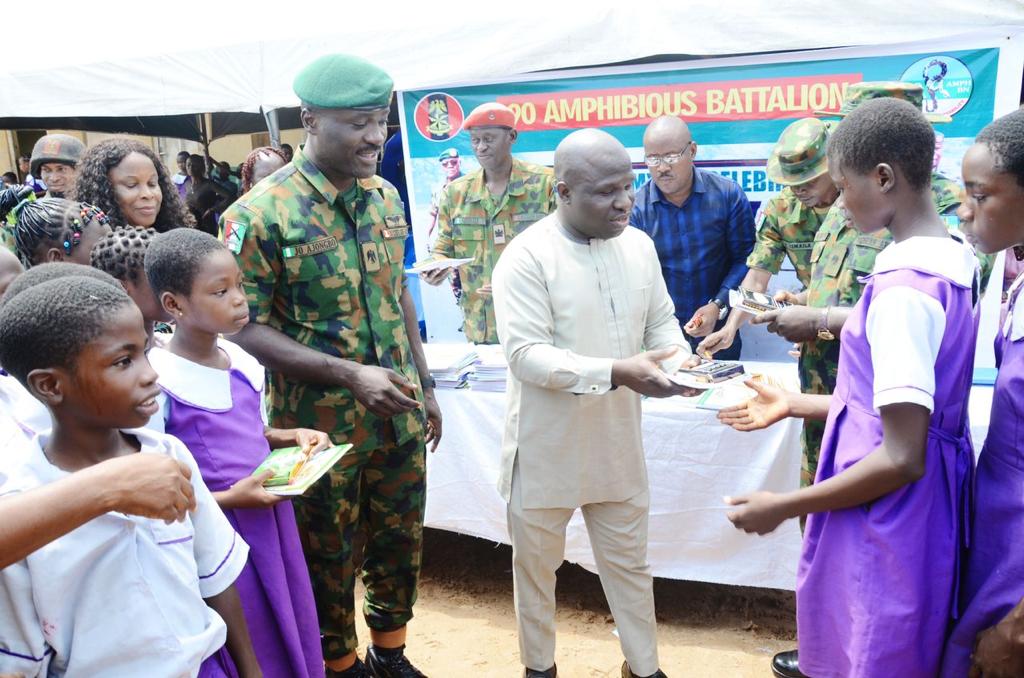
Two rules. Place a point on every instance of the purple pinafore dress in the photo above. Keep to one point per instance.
(226, 437)
(993, 582)
(876, 584)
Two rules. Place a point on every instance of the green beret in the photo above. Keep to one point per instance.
(343, 81)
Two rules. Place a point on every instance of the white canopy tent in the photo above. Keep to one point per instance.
(101, 59)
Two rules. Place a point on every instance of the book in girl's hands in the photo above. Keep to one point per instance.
(294, 472)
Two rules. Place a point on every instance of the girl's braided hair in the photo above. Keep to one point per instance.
(56, 221)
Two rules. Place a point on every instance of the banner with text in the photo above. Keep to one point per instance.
(736, 108)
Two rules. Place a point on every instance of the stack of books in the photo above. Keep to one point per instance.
(491, 369)
(450, 364)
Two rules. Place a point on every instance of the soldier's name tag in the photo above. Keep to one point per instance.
(499, 234)
(469, 221)
(309, 248)
(397, 232)
(800, 245)
(371, 256)
(234, 235)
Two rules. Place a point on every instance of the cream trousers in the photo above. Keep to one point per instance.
(618, 536)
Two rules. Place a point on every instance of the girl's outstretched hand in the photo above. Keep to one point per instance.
(759, 512)
(767, 407)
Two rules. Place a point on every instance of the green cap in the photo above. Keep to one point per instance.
(799, 154)
(448, 153)
(343, 81)
(859, 92)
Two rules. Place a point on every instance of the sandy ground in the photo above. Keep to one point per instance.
(465, 625)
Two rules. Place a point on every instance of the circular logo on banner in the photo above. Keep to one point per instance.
(947, 83)
(438, 116)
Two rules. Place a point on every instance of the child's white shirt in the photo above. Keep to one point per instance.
(905, 326)
(207, 388)
(120, 595)
(15, 400)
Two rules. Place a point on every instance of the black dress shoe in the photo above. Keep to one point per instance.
(357, 670)
(387, 662)
(534, 673)
(628, 673)
(786, 665)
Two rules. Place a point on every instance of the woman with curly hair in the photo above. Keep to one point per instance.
(127, 180)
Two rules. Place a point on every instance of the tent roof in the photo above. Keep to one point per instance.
(99, 62)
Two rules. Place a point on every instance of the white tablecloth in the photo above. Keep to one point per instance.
(692, 463)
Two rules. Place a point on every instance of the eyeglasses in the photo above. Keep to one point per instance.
(668, 158)
(452, 162)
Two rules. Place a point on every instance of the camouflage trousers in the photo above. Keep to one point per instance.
(380, 493)
(818, 366)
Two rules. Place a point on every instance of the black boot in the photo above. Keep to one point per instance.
(357, 670)
(390, 662)
(534, 673)
(628, 673)
(786, 665)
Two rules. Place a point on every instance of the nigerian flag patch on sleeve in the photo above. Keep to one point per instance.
(234, 235)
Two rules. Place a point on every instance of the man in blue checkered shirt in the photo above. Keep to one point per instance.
(702, 227)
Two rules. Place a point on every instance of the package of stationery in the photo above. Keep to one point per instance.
(295, 469)
(754, 302)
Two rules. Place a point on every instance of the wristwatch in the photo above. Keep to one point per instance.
(429, 382)
(824, 333)
(723, 310)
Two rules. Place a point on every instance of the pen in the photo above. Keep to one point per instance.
(306, 454)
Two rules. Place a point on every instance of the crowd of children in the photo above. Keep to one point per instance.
(908, 564)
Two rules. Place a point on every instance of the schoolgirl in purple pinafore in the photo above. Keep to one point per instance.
(219, 415)
(993, 582)
(876, 583)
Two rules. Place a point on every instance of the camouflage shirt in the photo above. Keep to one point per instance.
(842, 254)
(327, 273)
(472, 224)
(786, 227)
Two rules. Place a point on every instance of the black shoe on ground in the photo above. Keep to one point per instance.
(628, 673)
(357, 670)
(786, 665)
(534, 673)
(386, 662)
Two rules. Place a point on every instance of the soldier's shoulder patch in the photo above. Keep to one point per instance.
(234, 235)
(762, 214)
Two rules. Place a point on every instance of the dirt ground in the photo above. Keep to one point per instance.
(465, 624)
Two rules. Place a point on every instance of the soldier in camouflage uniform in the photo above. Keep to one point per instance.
(481, 212)
(787, 223)
(841, 255)
(321, 246)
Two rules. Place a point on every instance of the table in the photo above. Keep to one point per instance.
(692, 463)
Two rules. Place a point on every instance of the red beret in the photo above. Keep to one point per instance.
(490, 115)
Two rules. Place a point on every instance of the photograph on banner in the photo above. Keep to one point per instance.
(736, 109)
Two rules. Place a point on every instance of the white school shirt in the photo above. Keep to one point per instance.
(30, 413)
(566, 309)
(905, 326)
(121, 595)
(15, 444)
(208, 388)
